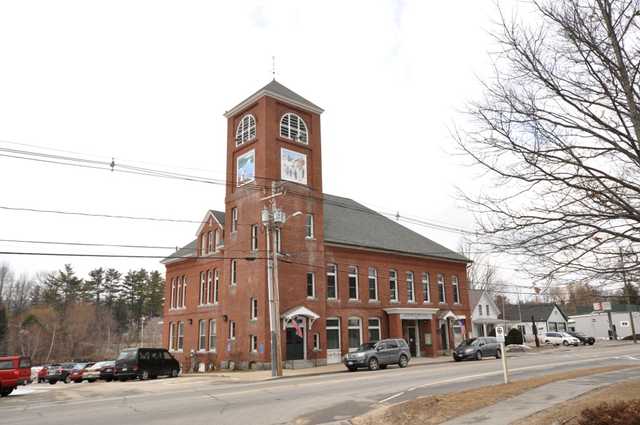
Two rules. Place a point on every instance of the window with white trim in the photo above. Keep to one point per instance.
(278, 235)
(294, 128)
(393, 286)
(441, 294)
(253, 343)
(353, 282)
(354, 333)
(184, 291)
(180, 293)
(202, 335)
(426, 296)
(374, 329)
(210, 247)
(311, 285)
(333, 333)
(174, 293)
(373, 284)
(332, 282)
(254, 237)
(253, 309)
(210, 288)
(487, 309)
(456, 289)
(234, 219)
(232, 329)
(234, 272)
(479, 309)
(212, 335)
(309, 226)
(216, 285)
(180, 339)
(217, 235)
(172, 334)
(203, 289)
(411, 293)
(246, 130)
(203, 244)
(316, 342)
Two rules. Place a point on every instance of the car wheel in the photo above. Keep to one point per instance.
(478, 355)
(373, 364)
(145, 375)
(92, 380)
(565, 343)
(174, 373)
(77, 381)
(6, 392)
(67, 379)
(352, 368)
(404, 361)
(591, 342)
(52, 381)
(498, 354)
(457, 359)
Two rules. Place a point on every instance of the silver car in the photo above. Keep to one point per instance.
(378, 355)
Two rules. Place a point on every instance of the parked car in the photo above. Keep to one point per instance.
(107, 370)
(477, 348)
(77, 374)
(14, 371)
(145, 363)
(557, 338)
(44, 371)
(378, 355)
(584, 339)
(60, 372)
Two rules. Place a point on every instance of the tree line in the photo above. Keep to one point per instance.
(60, 316)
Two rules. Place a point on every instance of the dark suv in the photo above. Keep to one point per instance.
(477, 348)
(378, 355)
(60, 373)
(145, 363)
(584, 339)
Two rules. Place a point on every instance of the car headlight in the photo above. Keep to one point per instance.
(358, 355)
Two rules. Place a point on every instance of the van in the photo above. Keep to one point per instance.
(145, 363)
(477, 348)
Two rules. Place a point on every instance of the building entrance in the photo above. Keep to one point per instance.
(295, 345)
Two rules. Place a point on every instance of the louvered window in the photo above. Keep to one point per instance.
(246, 130)
(293, 127)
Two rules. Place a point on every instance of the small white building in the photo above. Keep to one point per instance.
(548, 317)
(596, 323)
(484, 313)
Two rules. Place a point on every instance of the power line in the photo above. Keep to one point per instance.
(74, 254)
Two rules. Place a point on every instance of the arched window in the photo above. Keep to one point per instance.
(246, 130)
(293, 127)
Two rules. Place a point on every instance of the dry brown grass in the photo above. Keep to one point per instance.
(437, 409)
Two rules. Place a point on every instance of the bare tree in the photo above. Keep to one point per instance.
(559, 129)
(481, 273)
(6, 278)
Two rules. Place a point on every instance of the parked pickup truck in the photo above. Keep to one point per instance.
(14, 371)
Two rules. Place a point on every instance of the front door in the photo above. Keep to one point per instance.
(295, 345)
(413, 340)
(444, 335)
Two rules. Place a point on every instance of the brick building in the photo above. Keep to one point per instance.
(347, 274)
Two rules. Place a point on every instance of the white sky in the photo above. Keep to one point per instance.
(150, 80)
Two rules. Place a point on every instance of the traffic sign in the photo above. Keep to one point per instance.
(500, 334)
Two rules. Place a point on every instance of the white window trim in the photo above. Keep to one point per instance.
(216, 285)
(316, 342)
(349, 327)
(232, 330)
(426, 278)
(244, 130)
(338, 327)
(411, 289)
(313, 286)
(309, 227)
(215, 333)
(456, 289)
(234, 272)
(444, 288)
(393, 277)
(178, 348)
(209, 286)
(253, 309)
(355, 275)
(373, 276)
(171, 335)
(254, 237)
(234, 219)
(202, 326)
(300, 129)
(334, 273)
(253, 343)
(378, 327)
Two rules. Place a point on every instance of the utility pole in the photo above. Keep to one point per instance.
(626, 289)
(142, 332)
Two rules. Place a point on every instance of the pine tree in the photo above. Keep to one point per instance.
(154, 298)
(94, 287)
(111, 286)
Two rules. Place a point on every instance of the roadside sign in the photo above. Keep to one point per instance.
(605, 306)
(503, 353)
(597, 306)
(500, 334)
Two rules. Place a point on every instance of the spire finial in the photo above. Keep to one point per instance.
(273, 67)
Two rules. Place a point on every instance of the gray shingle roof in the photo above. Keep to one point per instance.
(474, 297)
(278, 91)
(219, 215)
(189, 250)
(347, 222)
(540, 312)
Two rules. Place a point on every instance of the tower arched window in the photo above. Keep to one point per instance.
(246, 130)
(293, 127)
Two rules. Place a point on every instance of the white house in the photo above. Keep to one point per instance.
(596, 323)
(484, 313)
(548, 317)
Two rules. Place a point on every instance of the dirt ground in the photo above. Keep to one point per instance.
(437, 409)
(570, 411)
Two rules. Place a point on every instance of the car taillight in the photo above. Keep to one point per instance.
(135, 368)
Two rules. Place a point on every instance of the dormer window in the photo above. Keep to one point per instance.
(293, 127)
(246, 130)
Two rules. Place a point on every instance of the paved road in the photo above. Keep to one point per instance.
(312, 400)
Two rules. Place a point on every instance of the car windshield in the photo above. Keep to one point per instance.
(68, 365)
(127, 355)
(366, 346)
(469, 341)
(80, 365)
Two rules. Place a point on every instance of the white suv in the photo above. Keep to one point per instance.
(557, 338)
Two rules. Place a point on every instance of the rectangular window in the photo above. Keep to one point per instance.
(333, 334)
(487, 306)
(441, 295)
(234, 219)
(278, 236)
(210, 288)
(355, 333)
(172, 334)
(253, 343)
(234, 272)
(393, 286)
(202, 335)
(203, 289)
(184, 291)
(210, 247)
(479, 309)
(180, 342)
(311, 285)
(425, 288)
(411, 294)
(316, 342)
(212, 335)
(173, 293)
(374, 330)
(254, 237)
(254, 308)
(353, 283)
(232, 330)
(203, 244)
(216, 285)
(309, 227)
(456, 290)
(217, 238)
(373, 284)
(179, 291)
(332, 283)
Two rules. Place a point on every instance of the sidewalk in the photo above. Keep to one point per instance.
(264, 375)
(514, 409)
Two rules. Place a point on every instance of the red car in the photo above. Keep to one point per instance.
(77, 373)
(43, 372)
(14, 371)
